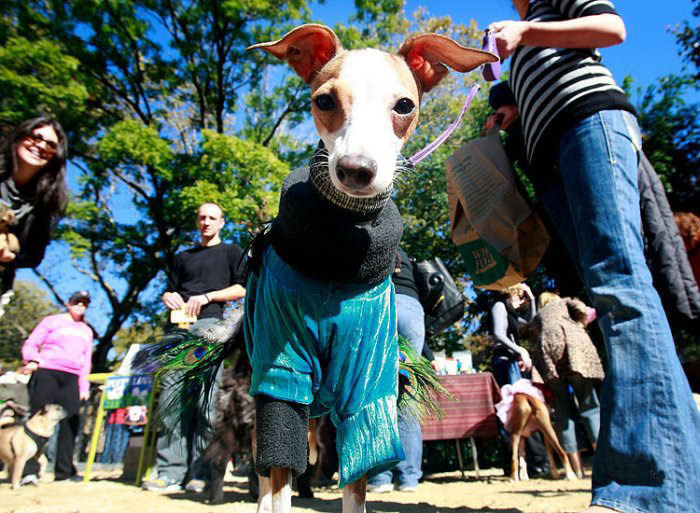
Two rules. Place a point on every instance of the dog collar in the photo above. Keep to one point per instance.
(321, 180)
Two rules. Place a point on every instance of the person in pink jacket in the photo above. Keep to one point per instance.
(58, 353)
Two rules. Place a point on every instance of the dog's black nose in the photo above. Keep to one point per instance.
(356, 172)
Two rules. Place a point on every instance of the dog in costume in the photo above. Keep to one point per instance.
(320, 320)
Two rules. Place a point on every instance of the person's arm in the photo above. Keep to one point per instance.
(577, 310)
(83, 383)
(499, 327)
(593, 31)
(31, 347)
(171, 297)
(533, 306)
(195, 303)
(499, 330)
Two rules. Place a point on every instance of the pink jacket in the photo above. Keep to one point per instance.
(60, 343)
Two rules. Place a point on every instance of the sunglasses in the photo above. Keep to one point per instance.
(50, 147)
(81, 302)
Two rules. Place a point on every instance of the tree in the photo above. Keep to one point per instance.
(28, 306)
(165, 80)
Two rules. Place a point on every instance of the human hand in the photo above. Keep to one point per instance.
(527, 290)
(29, 367)
(525, 362)
(173, 300)
(508, 35)
(495, 119)
(195, 303)
(6, 255)
(84, 396)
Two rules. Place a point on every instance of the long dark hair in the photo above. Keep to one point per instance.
(50, 182)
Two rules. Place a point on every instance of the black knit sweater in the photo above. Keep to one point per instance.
(323, 240)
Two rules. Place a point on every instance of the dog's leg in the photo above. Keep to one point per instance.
(281, 488)
(541, 413)
(216, 484)
(264, 495)
(522, 464)
(519, 415)
(354, 496)
(312, 439)
(575, 459)
(16, 474)
(553, 470)
(43, 463)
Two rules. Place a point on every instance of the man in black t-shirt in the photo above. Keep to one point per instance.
(201, 281)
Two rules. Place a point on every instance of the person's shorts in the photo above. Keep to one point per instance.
(333, 346)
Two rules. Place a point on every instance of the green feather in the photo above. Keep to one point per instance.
(419, 386)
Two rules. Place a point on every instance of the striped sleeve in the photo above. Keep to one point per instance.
(579, 8)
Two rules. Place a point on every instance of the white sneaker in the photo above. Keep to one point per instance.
(408, 488)
(31, 479)
(380, 488)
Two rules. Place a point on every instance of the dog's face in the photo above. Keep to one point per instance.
(47, 418)
(365, 103)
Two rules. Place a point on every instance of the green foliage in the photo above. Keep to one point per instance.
(671, 131)
(688, 38)
(37, 77)
(28, 306)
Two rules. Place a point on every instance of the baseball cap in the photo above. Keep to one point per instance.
(83, 295)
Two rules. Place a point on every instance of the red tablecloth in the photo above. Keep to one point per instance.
(472, 415)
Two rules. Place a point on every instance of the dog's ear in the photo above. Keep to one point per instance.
(429, 55)
(307, 49)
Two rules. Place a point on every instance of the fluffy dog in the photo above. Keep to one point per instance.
(20, 443)
(233, 429)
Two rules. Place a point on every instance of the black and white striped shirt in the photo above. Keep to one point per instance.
(557, 87)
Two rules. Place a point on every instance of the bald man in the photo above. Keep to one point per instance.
(202, 280)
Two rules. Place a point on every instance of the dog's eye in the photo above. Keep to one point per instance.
(404, 106)
(324, 102)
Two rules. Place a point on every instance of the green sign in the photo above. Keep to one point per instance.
(123, 391)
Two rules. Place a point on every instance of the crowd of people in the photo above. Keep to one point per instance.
(575, 134)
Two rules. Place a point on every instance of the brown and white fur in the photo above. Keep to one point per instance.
(365, 105)
(16, 447)
(524, 408)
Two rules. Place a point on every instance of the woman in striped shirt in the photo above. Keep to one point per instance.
(583, 147)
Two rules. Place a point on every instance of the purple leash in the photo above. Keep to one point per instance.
(490, 72)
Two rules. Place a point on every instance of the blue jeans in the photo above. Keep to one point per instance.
(116, 440)
(588, 408)
(648, 446)
(411, 325)
(505, 369)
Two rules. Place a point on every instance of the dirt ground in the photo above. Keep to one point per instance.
(444, 493)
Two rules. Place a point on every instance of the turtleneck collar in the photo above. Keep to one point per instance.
(321, 180)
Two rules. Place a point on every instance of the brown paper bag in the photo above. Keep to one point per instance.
(500, 237)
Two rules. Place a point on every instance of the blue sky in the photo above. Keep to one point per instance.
(648, 53)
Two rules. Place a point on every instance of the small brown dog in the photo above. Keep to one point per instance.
(8, 240)
(526, 408)
(20, 443)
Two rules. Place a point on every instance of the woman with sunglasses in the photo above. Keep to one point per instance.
(33, 187)
(58, 354)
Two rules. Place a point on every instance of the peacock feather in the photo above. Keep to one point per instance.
(419, 386)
